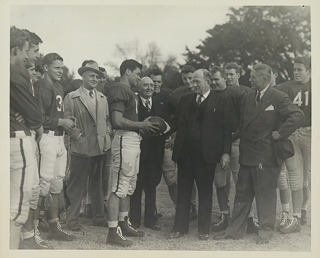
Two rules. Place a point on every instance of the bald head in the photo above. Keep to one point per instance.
(146, 87)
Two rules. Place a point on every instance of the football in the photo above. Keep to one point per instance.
(161, 124)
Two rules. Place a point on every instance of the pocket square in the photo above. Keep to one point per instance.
(271, 107)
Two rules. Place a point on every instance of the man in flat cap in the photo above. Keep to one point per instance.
(90, 140)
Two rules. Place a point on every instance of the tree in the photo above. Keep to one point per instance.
(150, 58)
(133, 49)
(256, 34)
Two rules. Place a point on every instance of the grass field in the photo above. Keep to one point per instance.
(93, 238)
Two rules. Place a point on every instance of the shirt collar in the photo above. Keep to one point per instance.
(205, 95)
(264, 91)
(144, 101)
(87, 91)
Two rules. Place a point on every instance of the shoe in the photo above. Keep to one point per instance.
(293, 226)
(63, 217)
(35, 242)
(193, 212)
(262, 241)
(252, 226)
(203, 237)
(222, 224)
(222, 235)
(303, 220)
(99, 221)
(128, 230)
(43, 224)
(75, 226)
(284, 220)
(115, 237)
(155, 227)
(56, 233)
(175, 235)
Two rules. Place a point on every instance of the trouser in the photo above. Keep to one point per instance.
(35, 182)
(107, 177)
(283, 180)
(80, 169)
(52, 163)
(191, 166)
(299, 166)
(21, 177)
(169, 168)
(261, 184)
(149, 178)
(126, 155)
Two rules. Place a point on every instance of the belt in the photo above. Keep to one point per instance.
(126, 131)
(53, 133)
(19, 134)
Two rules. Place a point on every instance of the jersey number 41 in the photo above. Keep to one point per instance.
(298, 99)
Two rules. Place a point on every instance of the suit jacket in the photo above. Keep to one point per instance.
(153, 145)
(274, 112)
(216, 127)
(92, 134)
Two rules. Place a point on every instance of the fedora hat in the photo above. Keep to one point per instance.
(283, 149)
(92, 67)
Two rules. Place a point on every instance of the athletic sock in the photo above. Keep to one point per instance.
(122, 215)
(285, 207)
(26, 234)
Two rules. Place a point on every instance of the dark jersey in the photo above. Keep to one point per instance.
(22, 101)
(234, 95)
(169, 101)
(121, 98)
(180, 92)
(300, 95)
(246, 89)
(50, 99)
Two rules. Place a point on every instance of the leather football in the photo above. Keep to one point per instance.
(161, 124)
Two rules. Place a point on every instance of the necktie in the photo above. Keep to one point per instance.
(91, 94)
(148, 105)
(258, 96)
(199, 100)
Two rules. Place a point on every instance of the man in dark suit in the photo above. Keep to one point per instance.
(267, 115)
(151, 159)
(203, 139)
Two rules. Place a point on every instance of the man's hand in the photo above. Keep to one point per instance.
(225, 160)
(276, 136)
(72, 118)
(169, 143)
(144, 132)
(19, 118)
(39, 133)
(152, 127)
(66, 123)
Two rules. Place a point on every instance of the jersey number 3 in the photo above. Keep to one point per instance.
(59, 104)
(298, 99)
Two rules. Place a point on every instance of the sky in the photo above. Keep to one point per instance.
(84, 32)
